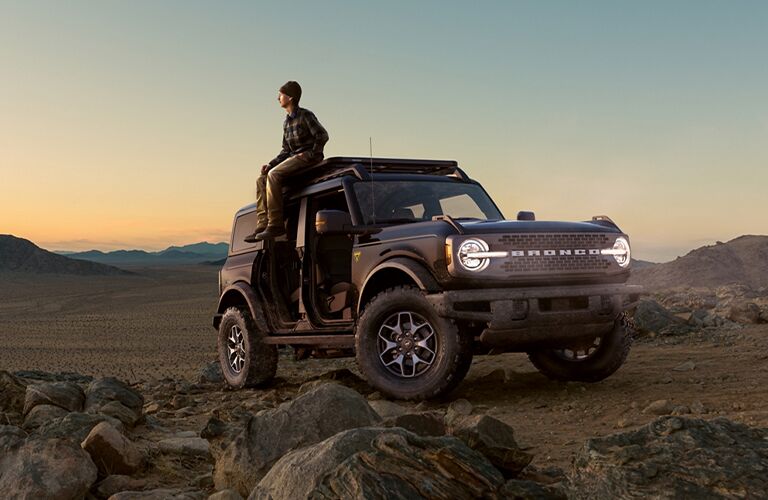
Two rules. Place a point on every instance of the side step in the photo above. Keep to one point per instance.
(318, 341)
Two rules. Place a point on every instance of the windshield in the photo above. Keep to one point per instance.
(411, 201)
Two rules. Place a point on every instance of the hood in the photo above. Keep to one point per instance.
(535, 226)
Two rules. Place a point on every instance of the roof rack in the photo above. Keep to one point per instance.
(362, 168)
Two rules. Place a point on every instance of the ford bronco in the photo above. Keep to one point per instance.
(411, 267)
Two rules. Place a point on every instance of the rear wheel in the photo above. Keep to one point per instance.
(591, 360)
(406, 351)
(245, 359)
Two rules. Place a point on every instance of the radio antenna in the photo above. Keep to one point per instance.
(373, 195)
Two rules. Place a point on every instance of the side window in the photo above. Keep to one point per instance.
(461, 206)
(330, 201)
(244, 225)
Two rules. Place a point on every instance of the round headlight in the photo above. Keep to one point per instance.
(621, 251)
(469, 262)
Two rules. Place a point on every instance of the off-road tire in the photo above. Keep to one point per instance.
(452, 358)
(608, 357)
(260, 363)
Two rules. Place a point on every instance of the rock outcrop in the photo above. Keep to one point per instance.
(674, 457)
(46, 469)
(316, 415)
(66, 395)
(115, 398)
(652, 317)
(495, 440)
(112, 452)
(381, 463)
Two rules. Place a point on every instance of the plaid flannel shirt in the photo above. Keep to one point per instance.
(302, 133)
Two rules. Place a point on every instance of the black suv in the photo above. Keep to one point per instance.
(410, 266)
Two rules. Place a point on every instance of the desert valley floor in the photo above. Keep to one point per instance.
(156, 324)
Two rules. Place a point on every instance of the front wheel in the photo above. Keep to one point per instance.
(590, 361)
(406, 351)
(244, 357)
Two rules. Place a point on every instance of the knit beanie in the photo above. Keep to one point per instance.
(292, 89)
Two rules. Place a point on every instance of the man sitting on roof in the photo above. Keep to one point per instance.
(303, 142)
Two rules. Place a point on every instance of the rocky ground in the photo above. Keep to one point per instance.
(684, 417)
(681, 418)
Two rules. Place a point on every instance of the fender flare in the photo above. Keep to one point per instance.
(253, 302)
(413, 268)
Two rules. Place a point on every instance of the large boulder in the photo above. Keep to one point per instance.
(66, 395)
(494, 439)
(74, 426)
(46, 469)
(117, 410)
(12, 392)
(318, 414)
(741, 311)
(674, 457)
(42, 414)
(652, 317)
(104, 391)
(112, 452)
(381, 463)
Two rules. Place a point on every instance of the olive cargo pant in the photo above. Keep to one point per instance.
(269, 189)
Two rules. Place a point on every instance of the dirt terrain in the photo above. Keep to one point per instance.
(156, 324)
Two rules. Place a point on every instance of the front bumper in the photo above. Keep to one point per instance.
(533, 317)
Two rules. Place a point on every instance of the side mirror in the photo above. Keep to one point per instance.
(333, 222)
(339, 222)
(523, 215)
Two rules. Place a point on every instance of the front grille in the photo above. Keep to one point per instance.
(528, 264)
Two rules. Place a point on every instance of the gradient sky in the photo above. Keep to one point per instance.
(143, 124)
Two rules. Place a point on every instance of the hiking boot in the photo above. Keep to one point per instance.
(271, 232)
(253, 237)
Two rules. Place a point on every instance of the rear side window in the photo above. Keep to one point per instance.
(244, 225)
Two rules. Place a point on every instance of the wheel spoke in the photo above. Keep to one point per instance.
(395, 329)
(431, 334)
(397, 361)
(416, 360)
(423, 345)
(388, 344)
(416, 328)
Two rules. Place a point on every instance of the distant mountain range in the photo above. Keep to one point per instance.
(20, 255)
(743, 260)
(195, 253)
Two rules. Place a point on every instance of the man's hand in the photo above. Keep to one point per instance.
(265, 169)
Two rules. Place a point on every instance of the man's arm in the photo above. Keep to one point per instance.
(318, 132)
